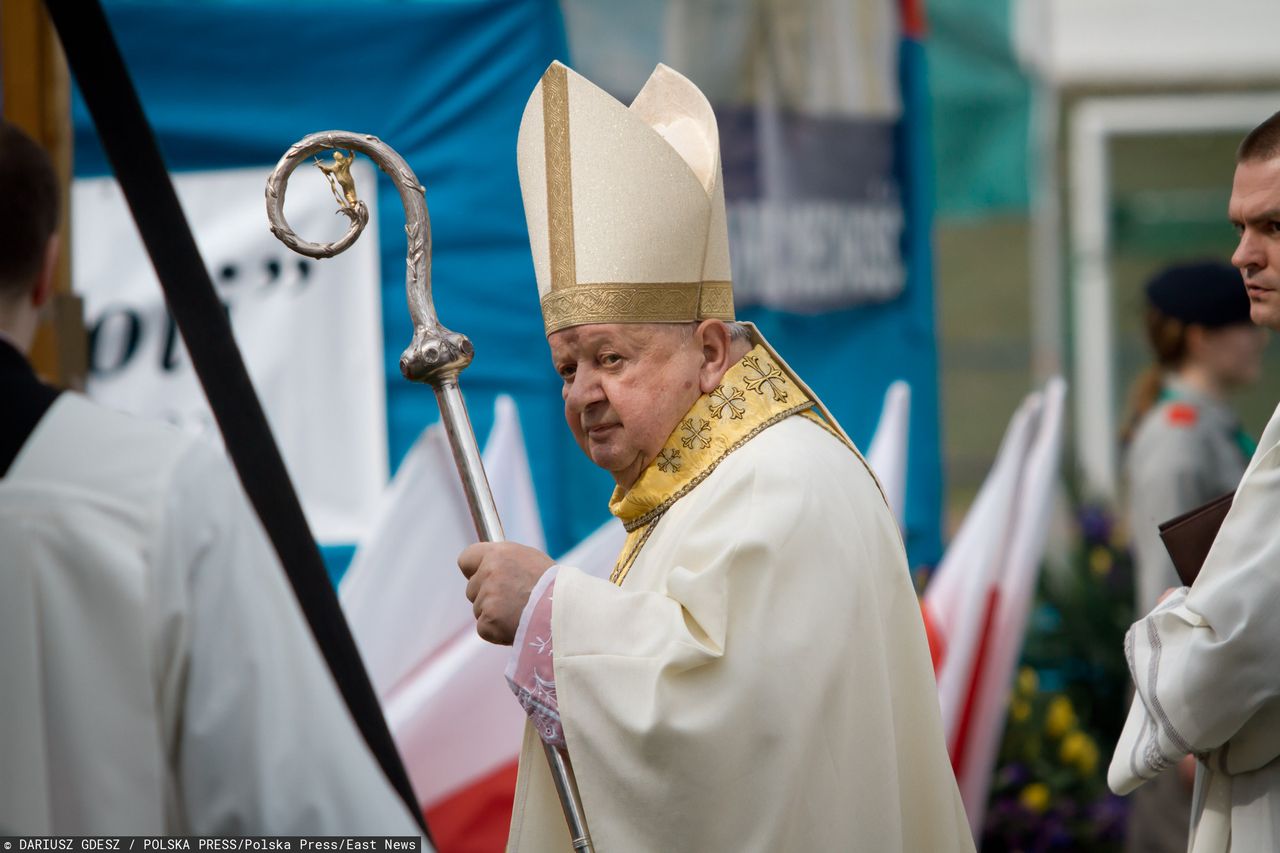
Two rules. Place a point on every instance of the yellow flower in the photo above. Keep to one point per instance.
(1100, 562)
(1078, 750)
(1019, 710)
(1073, 746)
(1088, 760)
(1028, 681)
(1035, 797)
(1060, 718)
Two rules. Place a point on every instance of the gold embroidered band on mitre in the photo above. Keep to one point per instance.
(640, 302)
(753, 394)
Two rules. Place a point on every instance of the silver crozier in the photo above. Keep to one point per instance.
(435, 356)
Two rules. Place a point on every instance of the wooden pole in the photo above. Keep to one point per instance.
(37, 98)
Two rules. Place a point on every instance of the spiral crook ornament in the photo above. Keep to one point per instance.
(435, 355)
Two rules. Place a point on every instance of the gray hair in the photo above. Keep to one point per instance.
(738, 331)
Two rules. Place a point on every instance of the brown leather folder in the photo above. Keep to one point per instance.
(1189, 537)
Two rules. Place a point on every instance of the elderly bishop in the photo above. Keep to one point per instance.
(754, 675)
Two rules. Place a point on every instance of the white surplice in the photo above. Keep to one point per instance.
(1207, 678)
(156, 674)
(761, 680)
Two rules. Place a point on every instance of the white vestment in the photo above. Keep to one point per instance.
(156, 674)
(1204, 665)
(761, 680)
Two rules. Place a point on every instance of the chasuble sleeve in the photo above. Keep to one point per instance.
(1203, 662)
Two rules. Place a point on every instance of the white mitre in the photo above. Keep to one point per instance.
(625, 205)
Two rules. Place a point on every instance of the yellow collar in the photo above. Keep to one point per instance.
(753, 394)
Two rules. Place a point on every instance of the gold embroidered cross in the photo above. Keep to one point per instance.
(768, 376)
(669, 461)
(730, 398)
(696, 431)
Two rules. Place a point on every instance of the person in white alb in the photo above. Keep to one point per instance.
(1204, 660)
(1184, 446)
(156, 674)
(755, 674)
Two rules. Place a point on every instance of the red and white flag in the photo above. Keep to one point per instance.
(977, 604)
(1021, 569)
(459, 728)
(443, 691)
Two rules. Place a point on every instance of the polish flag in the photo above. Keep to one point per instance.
(977, 604)
(456, 723)
(1021, 569)
(459, 728)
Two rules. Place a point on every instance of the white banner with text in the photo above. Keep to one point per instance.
(310, 331)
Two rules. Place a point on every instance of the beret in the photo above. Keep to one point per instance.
(1207, 293)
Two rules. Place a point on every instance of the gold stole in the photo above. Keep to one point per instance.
(754, 394)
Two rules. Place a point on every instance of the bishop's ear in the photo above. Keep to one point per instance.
(717, 356)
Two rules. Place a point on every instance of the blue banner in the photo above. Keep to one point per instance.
(235, 84)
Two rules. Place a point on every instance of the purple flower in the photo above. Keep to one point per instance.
(1014, 774)
(1096, 525)
(1109, 814)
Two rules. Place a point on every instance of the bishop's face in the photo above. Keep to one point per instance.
(626, 386)
(1255, 212)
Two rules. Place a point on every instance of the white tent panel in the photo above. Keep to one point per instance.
(1147, 42)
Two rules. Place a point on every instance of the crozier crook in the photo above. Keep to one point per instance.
(435, 355)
